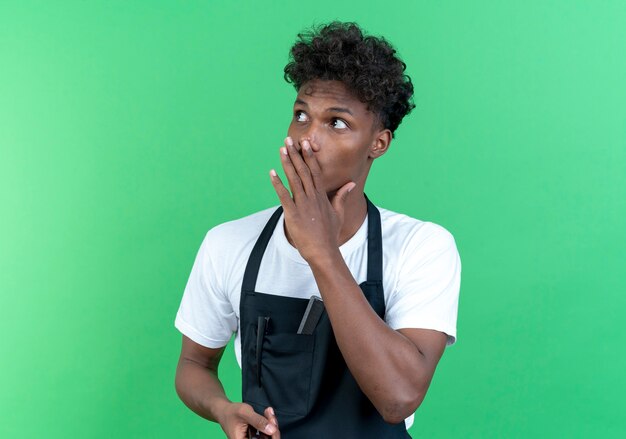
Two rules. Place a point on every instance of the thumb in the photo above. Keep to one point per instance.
(340, 197)
(259, 422)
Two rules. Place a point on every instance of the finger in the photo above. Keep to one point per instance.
(340, 197)
(259, 422)
(269, 414)
(283, 194)
(295, 184)
(304, 173)
(313, 164)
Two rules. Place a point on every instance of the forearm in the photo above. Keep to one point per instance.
(200, 389)
(388, 367)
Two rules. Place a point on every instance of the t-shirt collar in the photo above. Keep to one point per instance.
(286, 249)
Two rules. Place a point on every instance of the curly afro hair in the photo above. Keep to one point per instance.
(367, 65)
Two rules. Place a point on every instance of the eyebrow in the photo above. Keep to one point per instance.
(335, 109)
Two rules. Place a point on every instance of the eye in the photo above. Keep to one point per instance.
(340, 124)
(300, 116)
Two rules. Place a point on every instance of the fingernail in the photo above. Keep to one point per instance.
(352, 187)
(270, 429)
(272, 411)
(273, 173)
(283, 150)
(306, 146)
(289, 141)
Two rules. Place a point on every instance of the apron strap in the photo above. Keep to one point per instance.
(374, 248)
(374, 244)
(254, 262)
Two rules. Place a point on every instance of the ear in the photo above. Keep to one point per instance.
(381, 143)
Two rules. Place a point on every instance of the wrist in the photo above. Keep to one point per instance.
(219, 409)
(325, 259)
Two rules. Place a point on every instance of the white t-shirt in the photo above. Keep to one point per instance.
(421, 276)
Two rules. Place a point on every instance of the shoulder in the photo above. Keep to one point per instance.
(242, 228)
(236, 235)
(407, 234)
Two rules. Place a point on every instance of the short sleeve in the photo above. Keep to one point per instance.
(205, 314)
(426, 293)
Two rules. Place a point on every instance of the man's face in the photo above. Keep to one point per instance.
(342, 132)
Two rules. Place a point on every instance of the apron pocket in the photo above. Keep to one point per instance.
(286, 366)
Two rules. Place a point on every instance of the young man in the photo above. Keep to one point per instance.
(389, 283)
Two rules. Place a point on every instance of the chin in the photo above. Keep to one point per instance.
(331, 189)
(331, 186)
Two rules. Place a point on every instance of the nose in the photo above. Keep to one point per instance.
(311, 136)
(311, 131)
(302, 140)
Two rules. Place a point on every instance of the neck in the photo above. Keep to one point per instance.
(355, 211)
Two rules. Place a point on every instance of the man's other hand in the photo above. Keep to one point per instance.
(238, 419)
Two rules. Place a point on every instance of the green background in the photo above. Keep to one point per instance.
(128, 129)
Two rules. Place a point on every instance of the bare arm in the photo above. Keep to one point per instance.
(199, 387)
(393, 368)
